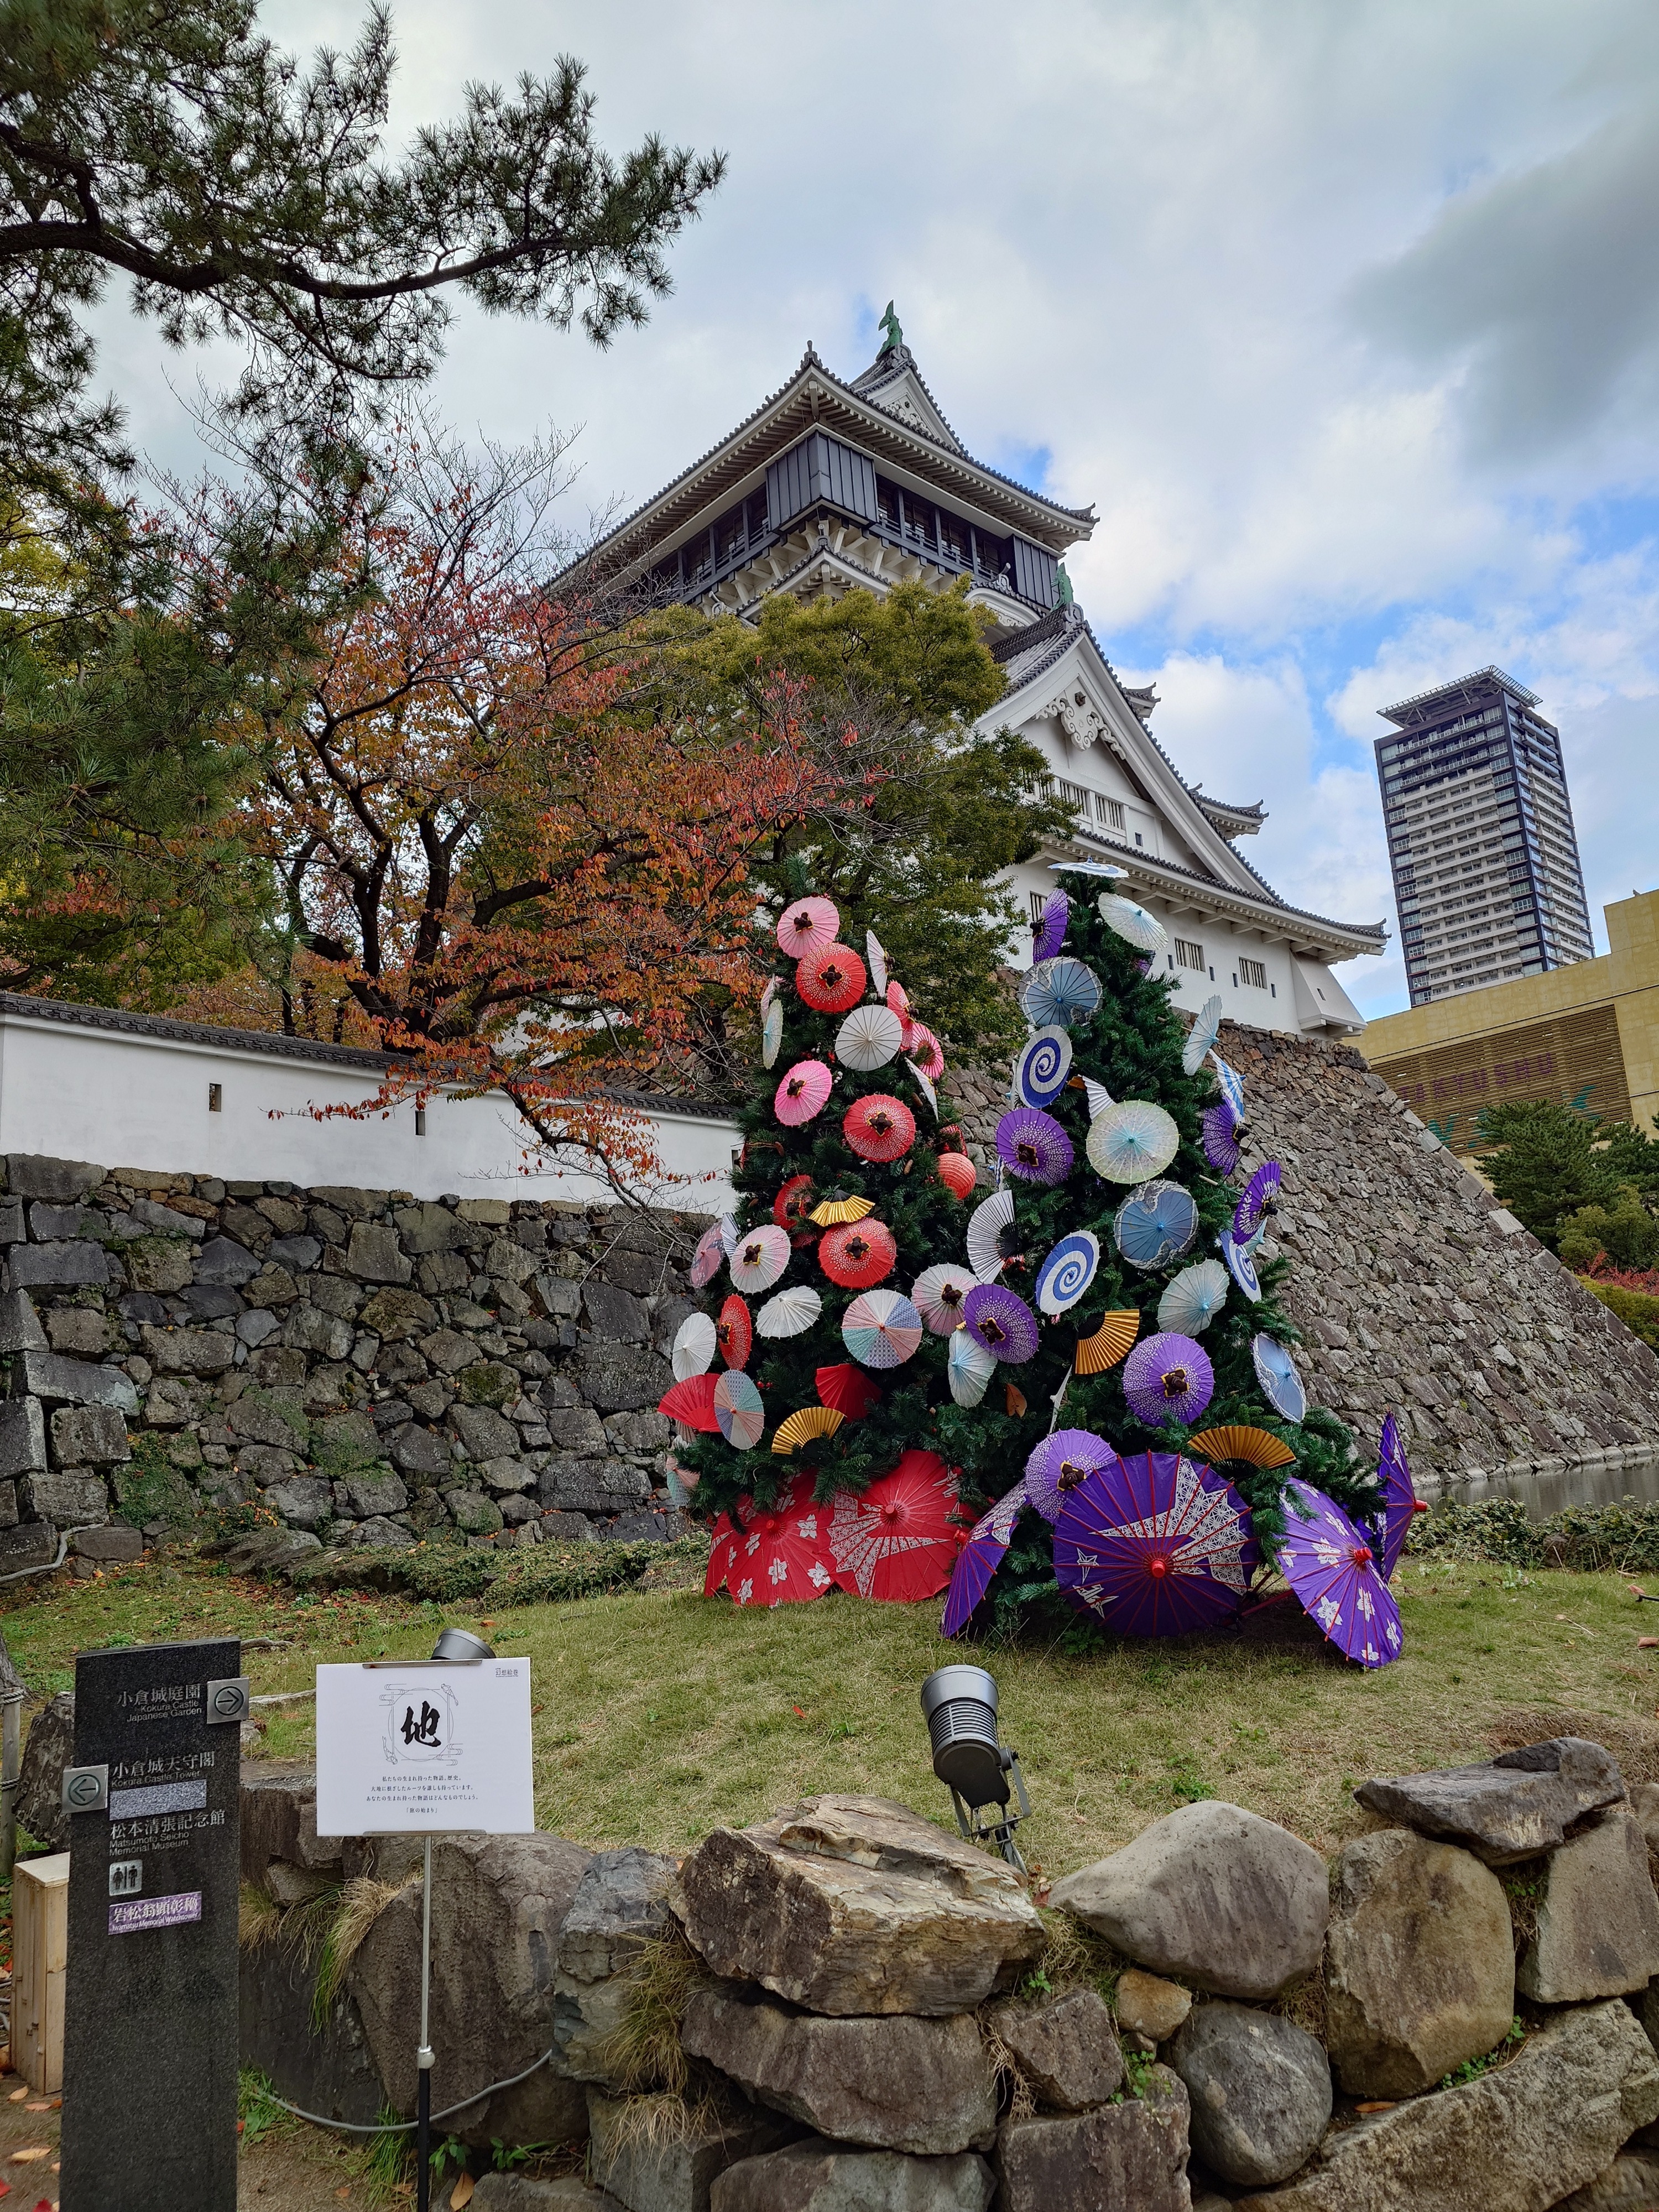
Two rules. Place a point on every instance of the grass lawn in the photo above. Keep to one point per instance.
(659, 1714)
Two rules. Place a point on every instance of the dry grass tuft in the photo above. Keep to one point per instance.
(354, 1910)
(258, 1919)
(643, 2051)
(1304, 2003)
(656, 2121)
(1016, 2100)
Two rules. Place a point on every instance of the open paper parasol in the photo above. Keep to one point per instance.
(691, 1402)
(1156, 1225)
(790, 1313)
(1255, 1446)
(761, 1257)
(1241, 1266)
(771, 1033)
(1232, 1087)
(1001, 1321)
(924, 1049)
(987, 1224)
(875, 959)
(879, 1127)
(969, 1368)
(881, 1328)
(1402, 1503)
(695, 1343)
(722, 1552)
(957, 1172)
(1060, 992)
(807, 926)
(899, 1001)
(1220, 1136)
(1043, 1067)
(1132, 923)
(792, 1207)
(800, 1428)
(1330, 1566)
(1200, 1038)
(1059, 1463)
(1131, 1141)
(1032, 1145)
(1111, 1342)
(981, 1556)
(868, 1038)
(830, 1213)
(924, 1084)
(937, 1294)
(734, 1332)
(1275, 1371)
(1193, 1298)
(831, 981)
(802, 1092)
(769, 991)
(728, 1229)
(858, 1254)
(1067, 1271)
(846, 1389)
(1154, 1546)
(1259, 1194)
(709, 1258)
(739, 1411)
(781, 1556)
(1168, 1377)
(897, 1540)
(1049, 933)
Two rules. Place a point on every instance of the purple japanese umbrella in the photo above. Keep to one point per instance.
(1220, 1139)
(1050, 932)
(999, 1319)
(1154, 1546)
(1401, 1503)
(1032, 1145)
(1330, 1566)
(981, 1556)
(1260, 1193)
(1168, 1377)
(1059, 1463)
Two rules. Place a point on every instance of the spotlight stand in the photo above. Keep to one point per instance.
(960, 1706)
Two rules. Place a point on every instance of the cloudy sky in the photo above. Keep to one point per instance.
(1344, 314)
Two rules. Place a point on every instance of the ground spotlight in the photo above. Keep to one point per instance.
(959, 1704)
(460, 1645)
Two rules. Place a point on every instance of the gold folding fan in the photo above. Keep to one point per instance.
(811, 1421)
(1110, 1342)
(830, 1213)
(1254, 1445)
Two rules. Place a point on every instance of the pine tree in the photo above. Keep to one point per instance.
(1132, 1046)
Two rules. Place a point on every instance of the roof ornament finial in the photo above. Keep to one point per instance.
(895, 335)
(1063, 586)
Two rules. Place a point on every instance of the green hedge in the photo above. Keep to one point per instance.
(448, 1571)
(1638, 1312)
(1622, 1539)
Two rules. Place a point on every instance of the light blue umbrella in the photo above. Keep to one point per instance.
(1275, 1371)
(1201, 1036)
(1155, 1224)
(1060, 991)
(1193, 1298)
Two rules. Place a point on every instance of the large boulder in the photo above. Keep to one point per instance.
(857, 1906)
(1510, 1808)
(1260, 2091)
(1225, 1899)
(1064, 2047)
(328, 2069)
(497, 1904)
(1598, 1924)
(1631, 2184)
(524, 2192)
(922, 2086)
(658, 2170)
(621, 1902)
(1420, 1963)
(1132, 2154)
(1518, 2139)
(815, 2176)
(279, 1820)
(47, 1750)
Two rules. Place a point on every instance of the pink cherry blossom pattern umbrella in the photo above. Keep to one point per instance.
(1402, 1503)
(1153, 1545)
(1168, 1377)
(802, 1092)
(807, 926)
(1337, 1578)
(897, 1540)
(981, 1556)
(1001, 1322)
(761, 1257)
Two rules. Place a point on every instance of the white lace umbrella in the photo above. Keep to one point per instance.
(869, 1038)
(1132, 1141)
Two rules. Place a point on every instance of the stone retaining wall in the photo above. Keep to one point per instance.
(367, 1367)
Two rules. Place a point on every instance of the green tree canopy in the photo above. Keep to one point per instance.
(1548, 1163)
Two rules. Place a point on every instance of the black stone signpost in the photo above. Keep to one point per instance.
(149, 2043)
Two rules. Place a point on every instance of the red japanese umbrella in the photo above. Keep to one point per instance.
(1154, 1546)
(897, 1541)
(721, 1558)
(858, 1253)
(846, 1389)
(692, 1401)
(831, 980)
(734, 1332)
(778, 1556)
(792, 1206)
(879, 1127)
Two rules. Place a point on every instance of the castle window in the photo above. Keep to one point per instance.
(1110, 810)
(1189, 954)
(1254, 973)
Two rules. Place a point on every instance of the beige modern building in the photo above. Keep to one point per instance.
(1586, 1036)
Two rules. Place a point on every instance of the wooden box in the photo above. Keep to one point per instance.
(40, 1944)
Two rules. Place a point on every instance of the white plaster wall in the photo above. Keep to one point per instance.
(142, 1102)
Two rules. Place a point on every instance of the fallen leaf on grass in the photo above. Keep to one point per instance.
(1380, 2105)
(1647, 1643)
(35, 2150)
(45, 2105)
(462, 2192)
(18, 2095)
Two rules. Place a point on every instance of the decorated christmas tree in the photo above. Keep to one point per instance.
(822, 1370)
(1126, 1397)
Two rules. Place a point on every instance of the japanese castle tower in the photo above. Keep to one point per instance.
(830, 487)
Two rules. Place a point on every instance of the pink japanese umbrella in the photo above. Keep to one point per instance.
(937, 1294)
(879, 1127)
(831, 981)
(760, 1257)
(981, 1556)
(1168, 1377)
(724, 1551)
(1402, 1503)
(802, 1092)
(807, 926)
(707, 1259)
(897, 1540)
(924, 1049)
(1337, 1578)
(1154, 1546)
(1059, 1463)
(781, 1557)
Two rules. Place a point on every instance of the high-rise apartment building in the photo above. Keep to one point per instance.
(1480, 838)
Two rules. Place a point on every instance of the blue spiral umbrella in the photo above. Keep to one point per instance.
(1275, 1371)
(1060, 991)
(1067, 1271)
(1232, 1087)
(1043, 1067)
(1240, 1265)
(1155, 1224)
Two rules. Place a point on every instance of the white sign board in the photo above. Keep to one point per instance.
(422, 1749)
